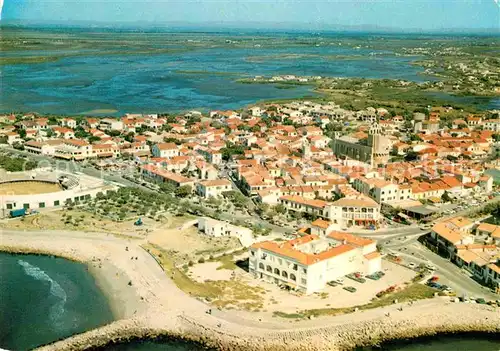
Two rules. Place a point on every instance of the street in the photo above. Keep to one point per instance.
(403, 241)
(412, 251)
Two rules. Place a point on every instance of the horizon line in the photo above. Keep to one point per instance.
(264, 26)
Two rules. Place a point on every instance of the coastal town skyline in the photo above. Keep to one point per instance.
(171, 181)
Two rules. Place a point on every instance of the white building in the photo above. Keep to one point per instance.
(213, 188)
(492, 124)
(308, 263)
(215, 228)
(167, 150)
(110, 124)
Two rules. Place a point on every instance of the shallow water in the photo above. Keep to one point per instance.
(196, 76)
(43, 299)
(440, 343)
(463, 342)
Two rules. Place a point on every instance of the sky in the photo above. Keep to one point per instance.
(312, 14)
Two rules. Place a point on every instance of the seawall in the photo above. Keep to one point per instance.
(413, 322)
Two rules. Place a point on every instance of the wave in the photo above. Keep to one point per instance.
(57, 310)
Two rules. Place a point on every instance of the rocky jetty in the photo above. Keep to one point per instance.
(419, 320)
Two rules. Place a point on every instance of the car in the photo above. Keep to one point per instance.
(412, 265)
(351, 289)
(481, 301)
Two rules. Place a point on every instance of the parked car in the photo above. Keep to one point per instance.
(356, 277)
(373, 276)
(350, 289)
(481, 301)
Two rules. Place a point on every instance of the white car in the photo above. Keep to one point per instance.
(412, 265)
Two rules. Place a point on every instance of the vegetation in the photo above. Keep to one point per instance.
(412, 292)
(16, 164)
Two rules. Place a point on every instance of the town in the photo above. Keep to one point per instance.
(317, 197)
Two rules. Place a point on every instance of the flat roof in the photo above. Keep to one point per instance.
(423, 210)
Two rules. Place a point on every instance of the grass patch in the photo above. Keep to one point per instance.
(412, 292)
(288, 315)
(221, 294)
(227, 262)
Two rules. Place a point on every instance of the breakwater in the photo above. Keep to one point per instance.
(430, 319)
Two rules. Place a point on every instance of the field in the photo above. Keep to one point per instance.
(28, 187)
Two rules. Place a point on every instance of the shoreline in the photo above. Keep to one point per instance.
(154, 307)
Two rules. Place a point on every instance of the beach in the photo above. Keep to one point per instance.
(146, 303)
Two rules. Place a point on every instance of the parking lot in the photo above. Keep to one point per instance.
(337, 296)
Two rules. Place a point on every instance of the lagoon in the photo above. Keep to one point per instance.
(162, 72)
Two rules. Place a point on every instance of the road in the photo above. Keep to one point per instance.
(412, 251)
(403, 240)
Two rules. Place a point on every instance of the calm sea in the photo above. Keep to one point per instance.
(43, 299)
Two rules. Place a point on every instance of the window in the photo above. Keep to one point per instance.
(26, 206)
(9, 206)
(56, 203)
(253, 253)
(293, 277)
(303, 281)
(304, 270)
(295, 267)
(261, 265)
(41, 205)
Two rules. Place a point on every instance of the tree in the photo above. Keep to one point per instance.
(446, 197)
(231, 150)
(49, 133)
(92, 139)
(22, 133)
(183, 191)
(238, 199)
(168, 188)
(113, 133)
(280, 209)
(411, 156)
(18, 145)
(130, 137)
(81, 133)
(496, 137)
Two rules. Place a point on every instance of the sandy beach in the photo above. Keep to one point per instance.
(152, 305)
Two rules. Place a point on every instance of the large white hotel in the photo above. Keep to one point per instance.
(308, 263)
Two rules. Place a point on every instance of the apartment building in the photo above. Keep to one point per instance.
(308, 263)
(110, 124)
(492, 124)
(159, 175)
(211, 156)
(213, 188)
(73, 149)
(382, 191)
(167, 150)
(47, 147)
